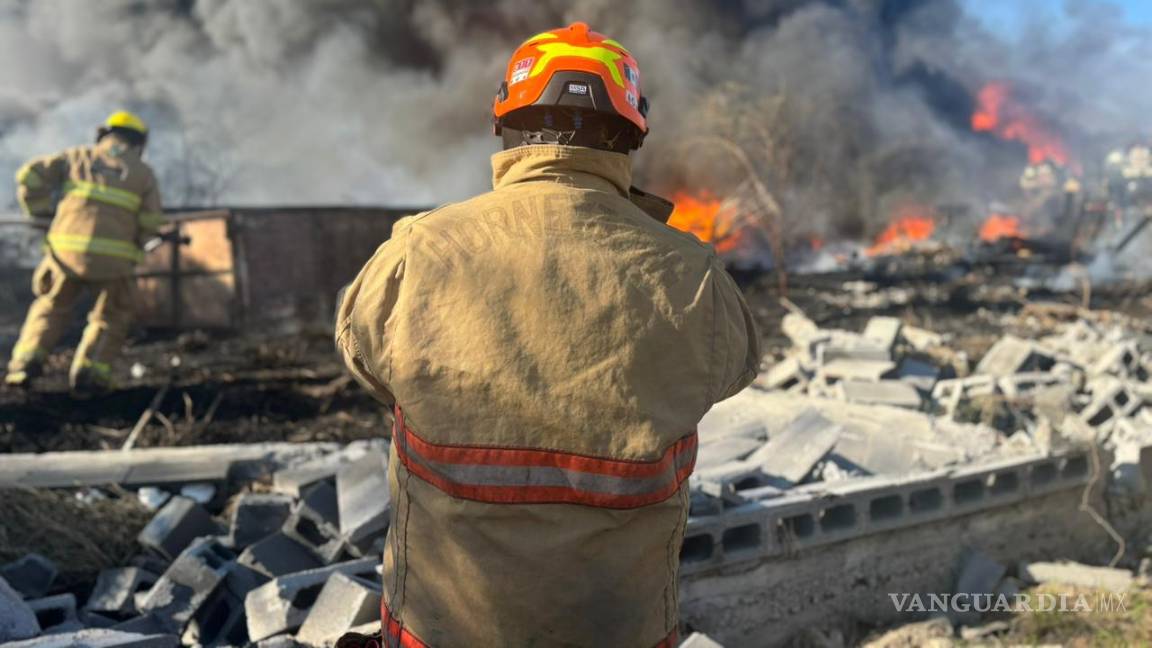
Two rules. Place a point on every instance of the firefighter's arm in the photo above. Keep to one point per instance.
(151, 215)
(737, 340)
(37, 183)
(362, 317)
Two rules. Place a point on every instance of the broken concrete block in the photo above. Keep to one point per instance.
(344, 602)
(787, 374)
(1120, 360)
(219, 622)
(728, 481)
(315, 523)
(17, 620)
(191, 580)
(883, 392)
(884, 331)
(1026, 384)
(257, 516)
(700, 640)
(948, 394)
(282, 604)
(278, 555)
(31, 575)
(718, 451)
(921, 374)
(175, 526)
(99, 638)
(1012, 355)
(1111, 400)
(850, 369)
(363, 500)
(55, 611)
(979, 575)
(852, 347)
(116, 589)
(791, 454)
(1068, 573)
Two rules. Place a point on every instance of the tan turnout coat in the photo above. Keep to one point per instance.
(550, 348)
(102, 201)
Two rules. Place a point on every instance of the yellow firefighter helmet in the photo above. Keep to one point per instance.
(125, 119)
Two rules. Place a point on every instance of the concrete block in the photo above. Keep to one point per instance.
(175, 526)
(948, 394)
(219, 622)
(851, 347)
(17, 620)
(1111, 400)
(282, 604)
(1010, 355)
(728, 481)
(1067, 573)
(31, 575)
(921, 374)
(278, 555)
(791, 454)
(883, 392)
(700, 640)
(147, 624)
(315, 523)
(979, 575)
(98, 638)
(714, 452)
(116, 589)
(363, 500)
(344, 602)
(257, 516)
(852, 369)
(55, 611)
(1120, 360)
(191, 581)
(787, 374)
(96, 620)
(1026, 384)
(884, 331)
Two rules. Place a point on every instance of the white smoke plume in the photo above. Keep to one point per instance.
(272, 102)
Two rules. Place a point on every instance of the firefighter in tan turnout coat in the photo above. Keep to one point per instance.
(549, 348)
(99, 203)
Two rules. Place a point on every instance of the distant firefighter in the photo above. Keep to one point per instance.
(98, 204)
(1137, 174)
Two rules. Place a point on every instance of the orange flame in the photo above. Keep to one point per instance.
(704, 216)
(998, 226)
(909, 224)
(998, 112)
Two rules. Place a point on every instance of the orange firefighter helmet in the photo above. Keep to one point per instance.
(574, 67)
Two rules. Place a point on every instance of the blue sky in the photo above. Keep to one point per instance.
(1008, 15)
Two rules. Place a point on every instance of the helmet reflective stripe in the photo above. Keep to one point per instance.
(125, 119)
(540, 36)
(593, 53)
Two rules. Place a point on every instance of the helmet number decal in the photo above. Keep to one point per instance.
(521, 68)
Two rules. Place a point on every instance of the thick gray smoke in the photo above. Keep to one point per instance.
(386, 102)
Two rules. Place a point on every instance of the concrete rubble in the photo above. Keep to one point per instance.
(887, 406)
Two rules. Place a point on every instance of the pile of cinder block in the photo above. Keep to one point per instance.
(296, 566)
(893, 400)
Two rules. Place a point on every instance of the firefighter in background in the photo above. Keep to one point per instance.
(1137, 175)
(1050, 196)
(549, 348)
(98, 203)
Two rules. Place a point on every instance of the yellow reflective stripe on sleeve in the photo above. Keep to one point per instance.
(102, 368)
(95, 245)
(29, 178)
(101, 193)
(36, 205)
(152, 220)
(593, 53)
(28, 352)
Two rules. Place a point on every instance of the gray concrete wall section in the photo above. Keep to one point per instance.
(757, 574)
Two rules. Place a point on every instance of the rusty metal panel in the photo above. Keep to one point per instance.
(194, 286)
(291, 262)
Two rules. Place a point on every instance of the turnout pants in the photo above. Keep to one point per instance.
(56, 295)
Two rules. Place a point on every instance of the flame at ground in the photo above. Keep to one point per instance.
(909, 224)
(706, 217)
(998, 226)
(998, 112)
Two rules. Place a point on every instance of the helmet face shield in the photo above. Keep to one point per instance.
(576, 68)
